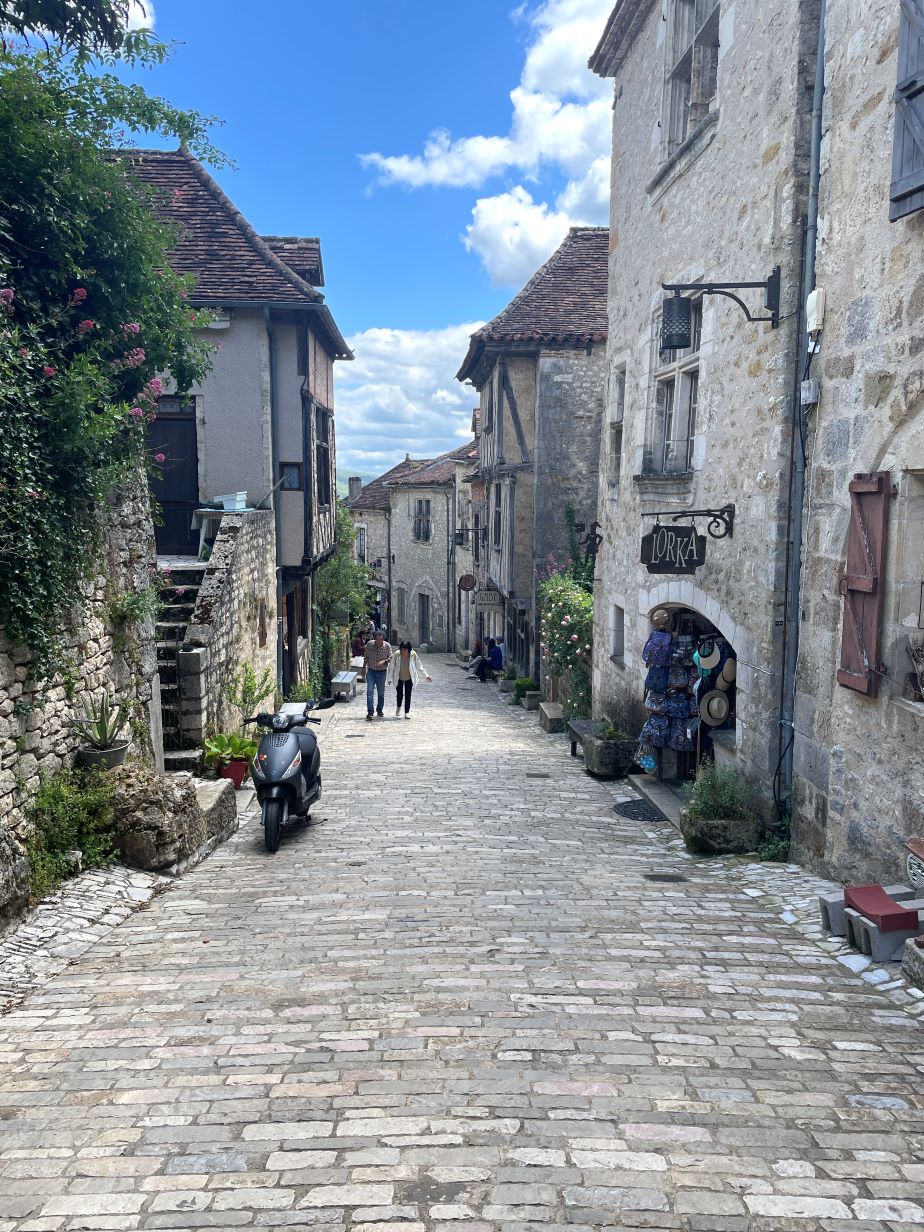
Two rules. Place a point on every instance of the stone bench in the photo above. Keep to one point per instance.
(551, 718)
(343, 685)
(579, 730)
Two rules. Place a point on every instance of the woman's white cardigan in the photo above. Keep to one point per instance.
(417, 669)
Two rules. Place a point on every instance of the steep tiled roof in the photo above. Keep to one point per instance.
(563, 304)
(301, 253)
(216, 242)
(374, 494)
(441, 470)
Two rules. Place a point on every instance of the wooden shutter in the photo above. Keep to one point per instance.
(863, 583)
(907, 191)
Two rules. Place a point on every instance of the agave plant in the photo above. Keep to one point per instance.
(102, 726)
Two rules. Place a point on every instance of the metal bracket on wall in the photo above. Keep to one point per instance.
(721, 521)
(770, 286)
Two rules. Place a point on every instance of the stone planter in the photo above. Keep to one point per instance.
(913, 962)
(108, 759)
(505, 685)
(608, 759)
(532, 699)
(720, 835)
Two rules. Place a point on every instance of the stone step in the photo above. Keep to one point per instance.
(551, 718)
(183, 759)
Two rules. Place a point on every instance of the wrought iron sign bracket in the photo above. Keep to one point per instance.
(770, 287)
(721, 523)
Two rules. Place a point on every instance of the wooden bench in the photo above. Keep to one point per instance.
(579, 730)
(343, 685)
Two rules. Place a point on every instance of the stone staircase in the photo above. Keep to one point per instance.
(178, 598)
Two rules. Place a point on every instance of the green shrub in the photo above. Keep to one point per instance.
(717, 793)
(523, 685)
(247, 690)
(72, 811)
(223, 747)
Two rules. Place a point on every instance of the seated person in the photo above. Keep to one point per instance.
(359, 644)
(477, 655)
(493, 663)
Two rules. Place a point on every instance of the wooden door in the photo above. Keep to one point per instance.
(175, 483)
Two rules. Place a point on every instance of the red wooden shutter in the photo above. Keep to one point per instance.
(863, 583)
(907, 190)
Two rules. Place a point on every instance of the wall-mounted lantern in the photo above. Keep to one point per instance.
(677, 311)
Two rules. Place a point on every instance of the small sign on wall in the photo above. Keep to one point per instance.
(673, 549)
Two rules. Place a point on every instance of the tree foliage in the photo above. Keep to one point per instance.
(90, 24)
(89, 314)
(342, 582)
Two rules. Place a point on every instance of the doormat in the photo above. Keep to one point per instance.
(664, 877)
(637, 810)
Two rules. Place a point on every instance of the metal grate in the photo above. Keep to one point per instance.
(278, 739)
(637, 810)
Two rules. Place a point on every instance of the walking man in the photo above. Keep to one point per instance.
(376, 658)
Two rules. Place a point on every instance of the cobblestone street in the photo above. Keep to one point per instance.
(460, 1004)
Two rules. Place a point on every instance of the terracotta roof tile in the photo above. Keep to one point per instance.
(216, 243)
(300, 253)
(441, 470)
(375, 494)
(563, 304)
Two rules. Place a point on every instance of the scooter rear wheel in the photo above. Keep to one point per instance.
(272, 823)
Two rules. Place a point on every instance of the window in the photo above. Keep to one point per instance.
(322, 454)
(618, 652)
(489, 407)
(617, 417)
(361, 543)
(401, 605)
(692, 62)
(301, 355)
(422, 521)
(496, 535)
(906, 194)
(291, 475)
(669, 450)
(476, 539)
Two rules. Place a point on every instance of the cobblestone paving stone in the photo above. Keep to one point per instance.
(459, 1005)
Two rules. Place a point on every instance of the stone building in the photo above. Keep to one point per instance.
(262, 422)
(710, 159)
(539, 368)
(859, 720)
(408, 528)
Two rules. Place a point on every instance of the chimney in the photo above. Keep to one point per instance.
(356, 486)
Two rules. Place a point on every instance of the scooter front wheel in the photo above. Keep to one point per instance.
(272, 823)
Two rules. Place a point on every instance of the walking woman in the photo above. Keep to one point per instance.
(405, 670)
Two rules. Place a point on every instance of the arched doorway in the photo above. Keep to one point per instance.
(691, 691)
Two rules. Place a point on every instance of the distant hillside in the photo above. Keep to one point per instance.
(343, 486)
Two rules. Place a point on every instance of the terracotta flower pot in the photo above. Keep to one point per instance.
(235, 770)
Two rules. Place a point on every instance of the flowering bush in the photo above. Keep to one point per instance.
(89, 312)
(566, 637)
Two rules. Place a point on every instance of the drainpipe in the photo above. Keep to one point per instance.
(391, 612)
(277, 504)
(450, 571)
(798, 470)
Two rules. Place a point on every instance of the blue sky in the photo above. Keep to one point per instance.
(440, 151)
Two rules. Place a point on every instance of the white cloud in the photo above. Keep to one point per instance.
(561, 119)
(400, 395)
(141, 15)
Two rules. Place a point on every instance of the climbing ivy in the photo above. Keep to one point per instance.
(89, 313)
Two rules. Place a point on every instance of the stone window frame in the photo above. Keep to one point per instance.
(423, 519)
(361, 543)
(905, 573)
(401, 605)
(618, 633)
(616, 404)
(690, 70)
(673, 371)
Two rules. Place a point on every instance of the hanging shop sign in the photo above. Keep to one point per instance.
(673, 549)
(468, 581)
(489, 599)
(681, 549)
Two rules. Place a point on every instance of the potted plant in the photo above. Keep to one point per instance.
(507, 681)
(231, 754)
(609, 753)
(521, 686)
(717, 819)
(101, 727)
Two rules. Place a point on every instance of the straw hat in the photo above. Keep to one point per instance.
(729, 671)
(709, 655)
(714, 708)
(661, 619)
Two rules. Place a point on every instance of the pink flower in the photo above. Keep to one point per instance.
(166, 569)
(574, 637)
(136, 412)
(7, 295)
(564, 624)
(130, 328)
(587, 647)
(84, 327)
(24, 352)
(78, 295)
(181, 590)
(160, 457)
(48, 370)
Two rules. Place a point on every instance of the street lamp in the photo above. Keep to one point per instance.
(677, 311)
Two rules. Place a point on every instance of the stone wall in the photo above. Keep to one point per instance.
(232, 624)
(36, 736)
(727, 207)
(422, 567)
(859, 771)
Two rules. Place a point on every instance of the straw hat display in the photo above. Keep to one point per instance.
(714, 708)
(661, 620)
(709, 655)
(727, 674)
